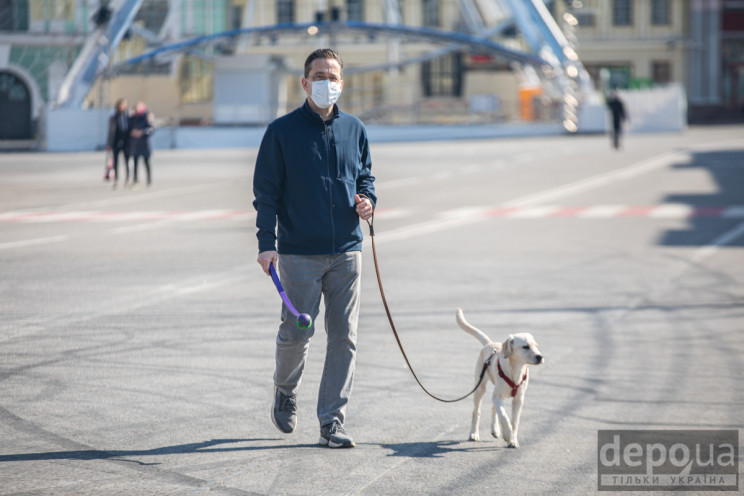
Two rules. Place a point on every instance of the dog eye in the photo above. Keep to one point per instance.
(526, 347)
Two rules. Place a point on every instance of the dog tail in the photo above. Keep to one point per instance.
(470, 329)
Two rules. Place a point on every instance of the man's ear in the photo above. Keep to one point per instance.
(305, 83)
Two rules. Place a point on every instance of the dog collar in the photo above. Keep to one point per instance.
(514, 387)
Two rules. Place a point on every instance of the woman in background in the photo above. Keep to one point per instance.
(141, 124)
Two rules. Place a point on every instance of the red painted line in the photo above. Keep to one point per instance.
(568, 211)
(237, 213)
(100, 215)
(500, 211)
(33, 215)
(636, 211)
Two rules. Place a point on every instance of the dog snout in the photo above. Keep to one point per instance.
(539, 359)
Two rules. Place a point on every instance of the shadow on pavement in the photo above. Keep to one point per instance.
(724, 167)
(436, 449)
(212, 446)
(433, 449)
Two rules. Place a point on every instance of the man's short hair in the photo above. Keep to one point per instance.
(322, 53)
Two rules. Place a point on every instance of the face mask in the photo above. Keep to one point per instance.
(325, 93)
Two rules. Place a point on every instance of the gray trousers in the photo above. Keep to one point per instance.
(305, 278)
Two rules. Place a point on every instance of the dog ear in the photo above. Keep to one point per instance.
(508, 347)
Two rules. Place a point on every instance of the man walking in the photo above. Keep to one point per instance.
(617, 109)
(312, 183)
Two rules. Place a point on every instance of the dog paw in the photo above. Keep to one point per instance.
(496, 434)
(474, 436)
(513, 444)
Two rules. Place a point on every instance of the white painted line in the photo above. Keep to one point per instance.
(428, 227)
(463, 212)
(671, 211)
(57, 217)
(598, 181)
(147, 226)
(240, 216)
(129, 216)
(533, 212)
(714, 246)
(199, 215)
(33, 242)
(392, 213)
(601, 211)
(12, 216)
(167, 218)
(138, 196)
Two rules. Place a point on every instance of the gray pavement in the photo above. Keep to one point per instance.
(137, 333)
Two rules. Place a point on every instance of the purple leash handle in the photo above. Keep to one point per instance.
(279, 288)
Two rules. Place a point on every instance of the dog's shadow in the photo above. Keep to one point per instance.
(438, 449)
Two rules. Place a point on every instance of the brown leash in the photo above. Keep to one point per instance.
(371, 223)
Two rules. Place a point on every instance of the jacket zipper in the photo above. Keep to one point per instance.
(330, 185)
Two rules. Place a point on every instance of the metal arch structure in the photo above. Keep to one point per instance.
(95, 54)
(551, 57)
(372, 30)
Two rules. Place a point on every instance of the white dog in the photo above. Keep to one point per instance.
(507, 369)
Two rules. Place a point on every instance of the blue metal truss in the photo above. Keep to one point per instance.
(413, 33)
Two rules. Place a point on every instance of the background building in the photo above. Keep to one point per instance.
(639, 43)
(50, 53)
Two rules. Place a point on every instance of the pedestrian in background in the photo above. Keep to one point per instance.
(312, 184)
(617, 109)
(118, 139)
(142, 127)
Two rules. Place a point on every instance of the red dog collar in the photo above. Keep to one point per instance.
(514, 387)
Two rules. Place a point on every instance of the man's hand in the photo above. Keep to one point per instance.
(364, 207)
(266, 258)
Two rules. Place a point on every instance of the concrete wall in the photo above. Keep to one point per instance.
(75, 129)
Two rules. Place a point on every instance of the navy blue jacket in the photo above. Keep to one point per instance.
(307, 173)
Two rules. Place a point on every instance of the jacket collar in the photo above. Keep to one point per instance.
(310, 114)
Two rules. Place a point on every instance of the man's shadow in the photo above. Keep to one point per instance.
(211, 446)
(427, 449)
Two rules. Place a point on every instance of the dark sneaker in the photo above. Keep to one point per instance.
(284, 412)
(335, 436)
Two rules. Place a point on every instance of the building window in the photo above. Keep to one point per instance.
(236, 16)
(392, 12)
(661, 12)
(13, 15)
(442, 76)
(49, 10)
(608, 75)
(195, 80)
(622, 12)
(430, 12)
(285, 11)
(661, 71)
(585, 18)
(355, 10)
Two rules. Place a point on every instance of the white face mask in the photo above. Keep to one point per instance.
(325, 93)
